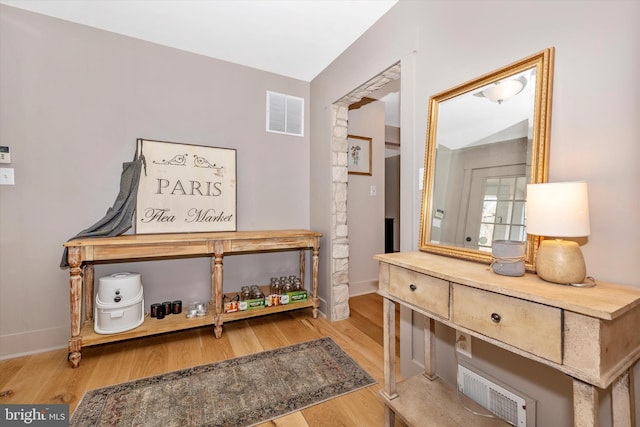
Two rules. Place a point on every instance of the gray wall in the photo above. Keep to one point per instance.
(73, 101)
(594, 131)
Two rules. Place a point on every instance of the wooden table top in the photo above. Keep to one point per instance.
(605, 300)
(168, 238)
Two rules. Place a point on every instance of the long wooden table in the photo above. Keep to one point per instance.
(84, 253)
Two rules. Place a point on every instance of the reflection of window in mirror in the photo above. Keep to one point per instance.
(502, 211)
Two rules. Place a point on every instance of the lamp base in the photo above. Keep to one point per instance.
(560, 261)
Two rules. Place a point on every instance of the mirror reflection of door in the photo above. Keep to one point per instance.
(462, 180)
(496, 201)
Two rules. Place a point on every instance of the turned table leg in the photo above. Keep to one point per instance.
(88, 281)
(314, 277)
(216, 290)
(302, 266)
(75, 284)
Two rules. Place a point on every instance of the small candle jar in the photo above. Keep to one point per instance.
(155, 308)
(176, 307)
(166, 307)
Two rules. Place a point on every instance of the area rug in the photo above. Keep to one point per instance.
(243, 391)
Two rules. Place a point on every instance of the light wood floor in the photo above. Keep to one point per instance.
(48, 378)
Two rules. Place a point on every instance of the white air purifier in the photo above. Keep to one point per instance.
(119, 303)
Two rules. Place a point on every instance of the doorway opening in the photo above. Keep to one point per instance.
(339, 239)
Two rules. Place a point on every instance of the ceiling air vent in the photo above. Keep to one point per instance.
(285, 114)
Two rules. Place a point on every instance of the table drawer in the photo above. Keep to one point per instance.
(426, 292)
(530, 326)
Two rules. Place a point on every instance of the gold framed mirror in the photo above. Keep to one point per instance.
(486, 139)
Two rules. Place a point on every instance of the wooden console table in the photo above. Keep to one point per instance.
(590, 334)
(85, 252)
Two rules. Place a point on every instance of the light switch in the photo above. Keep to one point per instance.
(6, 176)
(373, 191)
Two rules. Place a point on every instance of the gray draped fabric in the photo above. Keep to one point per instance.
(118, 218)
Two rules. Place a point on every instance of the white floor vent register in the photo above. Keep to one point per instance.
(503, 403)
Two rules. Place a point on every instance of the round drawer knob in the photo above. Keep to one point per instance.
(495, 317)
(413, 287)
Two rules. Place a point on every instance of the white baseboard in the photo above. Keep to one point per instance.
(32, 342)
(361, 288)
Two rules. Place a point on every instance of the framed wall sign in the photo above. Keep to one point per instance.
(359, 155)
(185, 188)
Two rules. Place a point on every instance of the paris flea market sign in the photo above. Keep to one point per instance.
(185, 188)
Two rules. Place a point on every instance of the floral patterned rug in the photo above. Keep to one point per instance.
(243, 391)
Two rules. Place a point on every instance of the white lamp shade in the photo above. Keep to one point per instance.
(559, 209)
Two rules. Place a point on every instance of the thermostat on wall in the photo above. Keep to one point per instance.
(5, 155)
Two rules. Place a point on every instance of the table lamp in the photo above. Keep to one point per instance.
(559, 210)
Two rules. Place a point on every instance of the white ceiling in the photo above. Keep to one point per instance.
(294, 38)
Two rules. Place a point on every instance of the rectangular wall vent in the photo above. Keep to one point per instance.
(503, 403)
(285, 114)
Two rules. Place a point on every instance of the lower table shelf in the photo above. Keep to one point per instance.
(420, 399)
(227, 317)
(177, 322)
